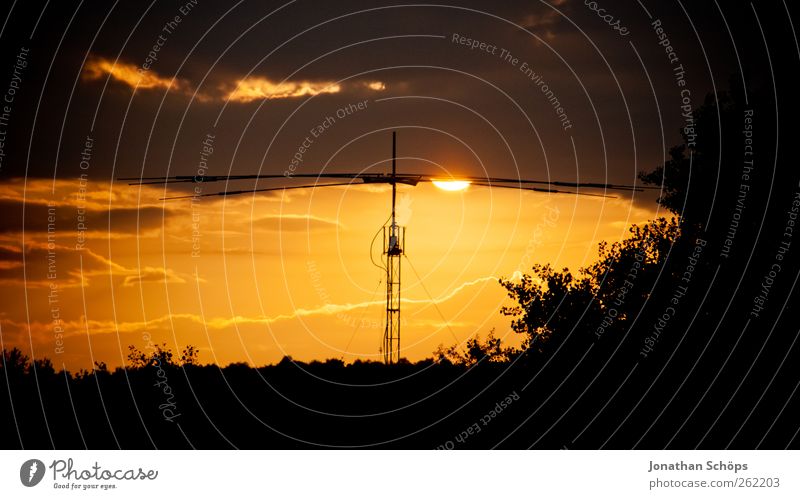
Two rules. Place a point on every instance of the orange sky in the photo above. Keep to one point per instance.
(276, 275)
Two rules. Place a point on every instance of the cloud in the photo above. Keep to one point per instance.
(258, 88)
(131, 75)
(63, 219)
(68, 267)
(242, 90)
(80, 326)
(543, 20)
(45, 264)
(439, 324)
(152, 274)
(294, 223)
(65, 206)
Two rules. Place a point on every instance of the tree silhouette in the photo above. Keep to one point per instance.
(161, 356)
(701, 172)
(549, 304)
(475, 351)
(190, 356)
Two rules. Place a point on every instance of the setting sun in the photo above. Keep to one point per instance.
(451, 185)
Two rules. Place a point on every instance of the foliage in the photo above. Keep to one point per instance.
(696, 167)
(549, 302)
(161, 356)
(475, 351)
(190, 356)
(14, 361)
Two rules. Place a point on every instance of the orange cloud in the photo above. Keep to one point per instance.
(75, 268)
(244, 90)
(131, 75)
(258, 88)
(81, 326)
(292, 222)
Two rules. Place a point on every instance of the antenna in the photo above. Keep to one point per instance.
(393, 235)
(394, 172)
(393, 249)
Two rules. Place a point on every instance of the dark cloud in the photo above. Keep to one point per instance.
(57, 263)
(63, 220)
(63, 265)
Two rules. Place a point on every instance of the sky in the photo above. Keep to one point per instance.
(563, 90)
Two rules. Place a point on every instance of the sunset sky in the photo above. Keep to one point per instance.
(155, 90)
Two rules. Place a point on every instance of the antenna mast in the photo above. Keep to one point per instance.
(393, 243)
(394, 174)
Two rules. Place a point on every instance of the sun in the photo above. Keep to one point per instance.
(451, 185)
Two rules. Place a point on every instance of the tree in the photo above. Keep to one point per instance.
(15, 362)
(190, 356)
(160, 356)
(550, 304)
(696, 179)
(475, 351)
(703, 175)
(44, 367)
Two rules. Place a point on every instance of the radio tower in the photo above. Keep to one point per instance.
(393, 242)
